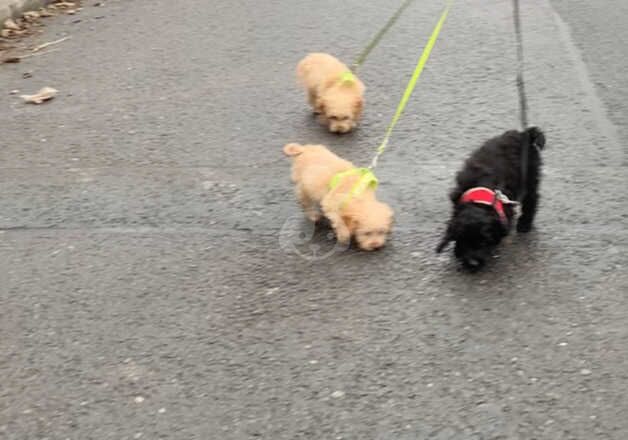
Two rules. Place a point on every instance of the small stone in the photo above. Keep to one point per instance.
(138, 435)
(338, 394)
(585, 372)
(139, 399)
(272, 290)
(563, 344)
(161, 410)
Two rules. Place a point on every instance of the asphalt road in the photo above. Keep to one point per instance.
(152, 285)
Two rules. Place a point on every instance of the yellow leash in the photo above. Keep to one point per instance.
(412, 83)
(367, 177)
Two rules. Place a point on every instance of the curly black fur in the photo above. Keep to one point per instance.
(477, 229)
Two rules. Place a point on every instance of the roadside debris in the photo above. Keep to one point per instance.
(43, 46)
(44, 94)
(27, 24)
(11, 25)
(35, 52)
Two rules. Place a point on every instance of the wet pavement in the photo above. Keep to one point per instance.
(154, 281)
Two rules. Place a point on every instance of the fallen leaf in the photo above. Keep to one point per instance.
(5, 33)
(31, 16)
(44, 94)
(11, 25)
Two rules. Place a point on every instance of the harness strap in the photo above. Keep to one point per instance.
(486, 196)
(366, 180)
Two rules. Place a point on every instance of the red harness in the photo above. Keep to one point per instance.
(486, 196)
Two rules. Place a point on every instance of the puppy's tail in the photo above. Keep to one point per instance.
(293, 149)
(536, 137)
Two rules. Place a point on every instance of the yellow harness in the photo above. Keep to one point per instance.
(366, 181)
(347, 78)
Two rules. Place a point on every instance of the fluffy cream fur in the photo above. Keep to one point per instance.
(339, 104)
(361, 216)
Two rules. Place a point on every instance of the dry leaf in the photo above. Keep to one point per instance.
(44, 94)
(5, 33)
(11, 25)
(31, 16)
(45, 13)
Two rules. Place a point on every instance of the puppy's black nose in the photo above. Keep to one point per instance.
(473, 264)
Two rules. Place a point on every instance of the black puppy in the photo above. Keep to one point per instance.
(488, 186)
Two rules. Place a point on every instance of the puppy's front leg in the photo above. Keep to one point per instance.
(313, 100)
(309, 205)
(329, 205)
(343, 234)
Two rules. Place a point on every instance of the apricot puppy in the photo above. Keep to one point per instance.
(351, 213)
(335, 94)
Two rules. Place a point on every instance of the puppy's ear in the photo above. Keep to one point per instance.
(536, 137)
(449, 236)
(358, 105)
(352, 223)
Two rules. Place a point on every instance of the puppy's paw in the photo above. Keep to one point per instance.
(524, 226)
(343, 236)
(314, 216)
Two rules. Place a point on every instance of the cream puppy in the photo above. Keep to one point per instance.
(334, 93)
(359, 215)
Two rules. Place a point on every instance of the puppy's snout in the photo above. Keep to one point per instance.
(375, 244)
(473, 263)
(340, 128)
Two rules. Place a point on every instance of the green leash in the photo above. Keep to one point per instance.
(375, 41)
(367, 177)
(412, 83)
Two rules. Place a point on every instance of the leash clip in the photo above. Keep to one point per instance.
(504, 198)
